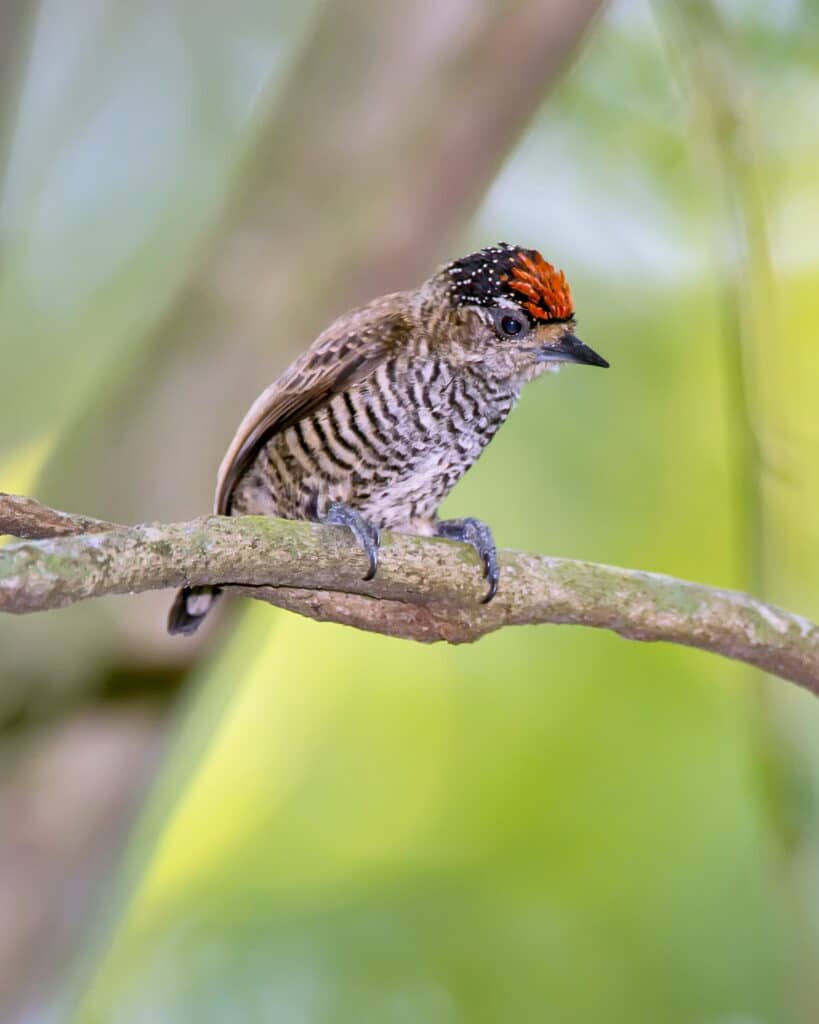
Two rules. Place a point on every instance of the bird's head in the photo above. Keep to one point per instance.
(507, 308)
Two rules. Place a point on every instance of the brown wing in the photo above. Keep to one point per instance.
(344, 354)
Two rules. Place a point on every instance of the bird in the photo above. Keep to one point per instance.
(372, 426)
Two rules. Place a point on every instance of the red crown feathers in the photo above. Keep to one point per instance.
(546, 289)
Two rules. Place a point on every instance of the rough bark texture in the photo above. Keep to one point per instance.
(22, 517)
(425, 589)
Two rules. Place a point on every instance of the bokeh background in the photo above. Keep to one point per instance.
(296, 822)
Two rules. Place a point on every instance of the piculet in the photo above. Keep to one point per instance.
(376, 422)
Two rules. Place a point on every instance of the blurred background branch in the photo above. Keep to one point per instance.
(326, 211)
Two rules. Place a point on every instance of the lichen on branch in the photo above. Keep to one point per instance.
(426, 589)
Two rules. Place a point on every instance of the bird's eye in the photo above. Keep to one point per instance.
(512, 325)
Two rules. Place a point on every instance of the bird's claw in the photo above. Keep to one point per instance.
(478, 536)
(368, 537)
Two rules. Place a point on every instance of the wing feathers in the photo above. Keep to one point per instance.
(346, 353)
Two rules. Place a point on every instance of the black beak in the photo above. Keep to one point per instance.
(571, 350)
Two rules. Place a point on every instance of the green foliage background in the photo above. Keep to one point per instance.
(554, 824)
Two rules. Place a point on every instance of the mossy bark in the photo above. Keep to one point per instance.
(425, 590)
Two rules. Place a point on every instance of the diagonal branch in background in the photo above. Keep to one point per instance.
(425, 590)
(357, 178)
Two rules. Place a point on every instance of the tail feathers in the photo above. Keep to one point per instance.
(189, 608)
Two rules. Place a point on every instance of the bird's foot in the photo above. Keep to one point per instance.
(368, 537)
(478, 536)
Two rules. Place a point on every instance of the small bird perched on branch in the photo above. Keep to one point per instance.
(375, 423)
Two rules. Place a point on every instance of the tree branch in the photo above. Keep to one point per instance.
(425, 589)
(24, 517)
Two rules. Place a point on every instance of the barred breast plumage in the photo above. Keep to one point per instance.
(391, 446)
